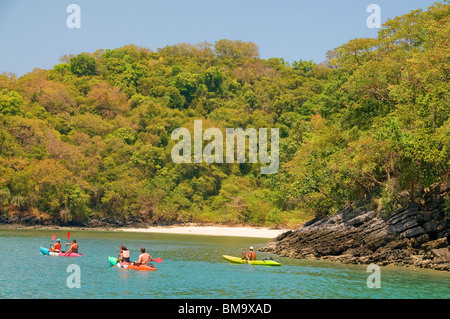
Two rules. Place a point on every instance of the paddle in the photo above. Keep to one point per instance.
(67, 242)
(244, 254)
(156, 260)
(53, 238)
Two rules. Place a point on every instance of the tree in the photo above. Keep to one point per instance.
(235, 50)
(11, 103)
(82, 65)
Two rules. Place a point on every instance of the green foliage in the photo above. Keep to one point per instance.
(91, 138)
(82, 65)
(385, 135)
(11, 103)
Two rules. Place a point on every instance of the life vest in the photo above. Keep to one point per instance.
(126, 254)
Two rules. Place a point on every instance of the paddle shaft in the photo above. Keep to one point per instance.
(53, 238)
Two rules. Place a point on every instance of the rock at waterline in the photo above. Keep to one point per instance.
(411, 236)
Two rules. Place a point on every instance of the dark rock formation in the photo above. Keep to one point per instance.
(27, 221)
(417, 235)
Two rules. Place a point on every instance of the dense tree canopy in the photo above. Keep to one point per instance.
(92, 136)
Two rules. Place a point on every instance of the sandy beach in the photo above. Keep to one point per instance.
(212, 231)
(192, 229)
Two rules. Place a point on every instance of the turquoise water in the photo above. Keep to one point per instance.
(192, 267)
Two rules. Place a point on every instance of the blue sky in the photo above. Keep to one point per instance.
(34, 33)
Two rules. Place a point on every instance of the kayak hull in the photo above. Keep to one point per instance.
(251, 262)
(128, 265)
(45, 251)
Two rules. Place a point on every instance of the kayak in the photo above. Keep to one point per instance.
(46, 251)
(263, 262)
(129, 265)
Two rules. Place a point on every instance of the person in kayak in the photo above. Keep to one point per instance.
(250, 254)
(73, 248)
(144, 258)
(56, 247)
(124, 255)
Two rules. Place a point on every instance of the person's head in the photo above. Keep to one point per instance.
(142, 250)
(58, 240)
(251, 248)
(74, 241)
(124, 248)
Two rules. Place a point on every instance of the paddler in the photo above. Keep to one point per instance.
(124, 255)
(56, 247)
(73, 248)
(144, 258)
(250, 254)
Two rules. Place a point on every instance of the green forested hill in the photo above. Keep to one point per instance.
(91, 138)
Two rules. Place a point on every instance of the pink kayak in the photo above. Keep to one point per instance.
(45, 251)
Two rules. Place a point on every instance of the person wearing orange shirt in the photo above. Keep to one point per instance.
(56, 247)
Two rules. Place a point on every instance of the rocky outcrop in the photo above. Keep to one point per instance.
(412, 236)
(28, 221)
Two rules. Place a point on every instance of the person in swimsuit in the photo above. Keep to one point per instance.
(250, 254)
(144, 258)
(124, 255)
(73, 248)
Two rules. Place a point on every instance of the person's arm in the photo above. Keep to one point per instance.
(69, 251)
(139, 261)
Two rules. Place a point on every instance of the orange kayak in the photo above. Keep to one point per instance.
(128, 265)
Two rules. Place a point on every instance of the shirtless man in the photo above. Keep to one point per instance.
(73, 248)
(250, 255)
(144, 258)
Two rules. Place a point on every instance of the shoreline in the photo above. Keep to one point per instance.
(231, 231)
(188, 229)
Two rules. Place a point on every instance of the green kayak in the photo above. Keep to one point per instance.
(264, 262)
(112, 260)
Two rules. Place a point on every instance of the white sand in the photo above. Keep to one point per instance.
(212, 231)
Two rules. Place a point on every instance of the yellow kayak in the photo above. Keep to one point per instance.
(264, 262)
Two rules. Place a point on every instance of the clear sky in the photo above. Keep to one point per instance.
(34, 33)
